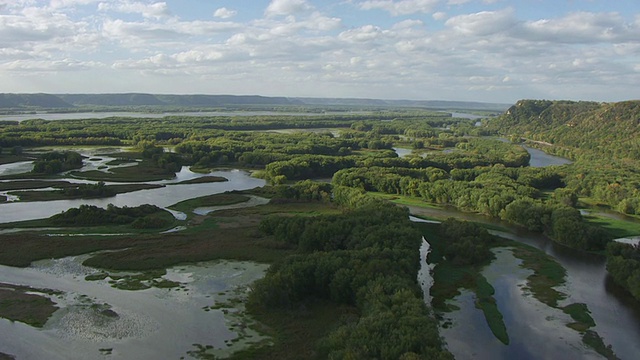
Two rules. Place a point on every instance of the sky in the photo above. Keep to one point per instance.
(467, 50)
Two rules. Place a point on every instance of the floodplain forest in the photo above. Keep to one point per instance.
(342, 281)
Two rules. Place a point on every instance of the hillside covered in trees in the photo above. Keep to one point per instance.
(576, 129)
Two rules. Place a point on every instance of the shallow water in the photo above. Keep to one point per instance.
(161, 197)
(150, 324)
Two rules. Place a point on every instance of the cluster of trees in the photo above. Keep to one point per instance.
(89, 190)
(473, 153)
(466, 243)
(367, 258)
(562, 223)
(623, 264)
(55, 162)
(306, 190)
(169, 162)
(89, 215)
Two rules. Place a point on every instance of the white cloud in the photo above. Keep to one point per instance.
(57, 4)
(287, 7)
(48, 65)
(582, 27)
(224, 13)
(439, 15)
(401, 7)
(365, 33)
(155, 34)
(295, 48)
(156, 10)
(483, 23)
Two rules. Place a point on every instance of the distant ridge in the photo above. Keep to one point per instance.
(34, 102)
(431, 104)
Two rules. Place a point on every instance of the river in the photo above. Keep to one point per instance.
(538, 331)
(125, 114)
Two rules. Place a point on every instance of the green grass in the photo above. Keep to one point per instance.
(594, 341)
(295, 331)
(580, 314)
(18, 303)
(9, 159)
(614, 227)
(487, 303)
(121, 161)
(547, 273)
(144, 171)
(33, 184)
(202, 180)
(166, 217)
(59, 195)
(405, 200)
(187, 206)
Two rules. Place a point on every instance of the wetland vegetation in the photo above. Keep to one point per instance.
(343, 261)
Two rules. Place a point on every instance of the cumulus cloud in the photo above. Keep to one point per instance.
(48, 65)
(582, 27)
(57, 4)
(381, 48)
(159, 34)
(483, 23)
(401, 7)
(156, 10)
(365, 33)
(287, 7)
(224, 13)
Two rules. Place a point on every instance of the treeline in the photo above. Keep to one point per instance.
(562, 223)
(535, 198)
(623, 264)
(472, 153)
(141, 217)
(178, 128)
(89, 190)
(367, 258)
(466, 243)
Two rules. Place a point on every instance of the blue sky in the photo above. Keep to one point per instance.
(473, 50)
